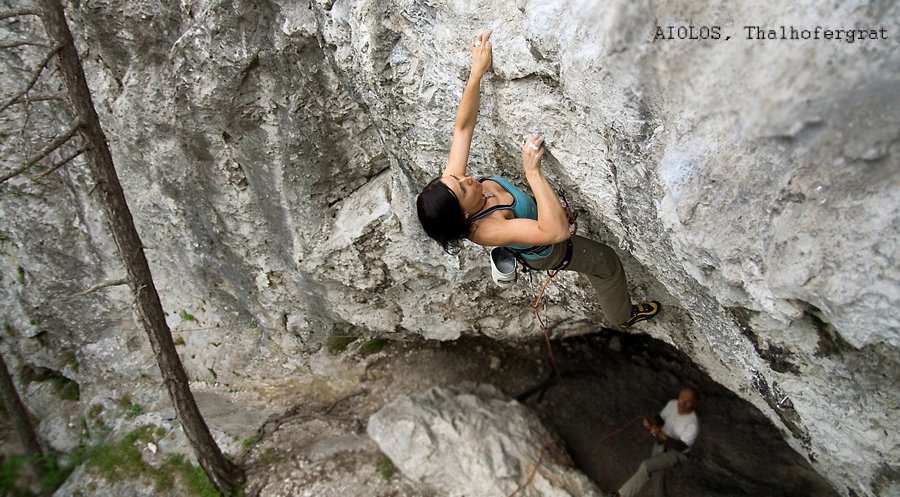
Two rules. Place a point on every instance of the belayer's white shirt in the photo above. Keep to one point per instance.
(684, 427)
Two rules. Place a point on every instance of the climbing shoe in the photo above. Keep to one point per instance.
(503, 266)
(642, 312)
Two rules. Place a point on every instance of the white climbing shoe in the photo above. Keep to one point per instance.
(503, 267)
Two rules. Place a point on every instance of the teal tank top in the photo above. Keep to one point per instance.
(523, 207)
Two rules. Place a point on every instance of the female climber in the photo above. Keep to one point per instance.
(494, 212)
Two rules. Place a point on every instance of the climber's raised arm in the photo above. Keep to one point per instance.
(467, 113)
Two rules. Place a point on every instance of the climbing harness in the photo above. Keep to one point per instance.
(503, 260)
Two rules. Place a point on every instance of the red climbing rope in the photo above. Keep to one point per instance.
(555, 364)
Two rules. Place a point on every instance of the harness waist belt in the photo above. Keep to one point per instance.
(559, 267)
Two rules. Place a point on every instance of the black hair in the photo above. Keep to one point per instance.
(441, 215)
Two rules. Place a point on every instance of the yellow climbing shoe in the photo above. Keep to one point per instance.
(642, 312)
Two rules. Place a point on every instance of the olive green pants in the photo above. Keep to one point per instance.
(603, 269)
(653, 469)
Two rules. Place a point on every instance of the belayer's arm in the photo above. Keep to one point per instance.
(467, 113)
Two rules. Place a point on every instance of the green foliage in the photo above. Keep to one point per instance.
(120, 460)
(69, 360)
(342, 335)
(179, 341)
(250, 441)
(337, 344)
(372, 346)
(129, 408)
(123, 460)
(55, 473)
(386, 467)
(133, 411)
(195, 480)
(9, 473)
(21, 273)
(213, 373)
(187, 316)
(66, 388)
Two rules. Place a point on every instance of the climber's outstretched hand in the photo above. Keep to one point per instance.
(482, 56)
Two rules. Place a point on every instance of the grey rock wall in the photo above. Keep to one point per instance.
(271, 152)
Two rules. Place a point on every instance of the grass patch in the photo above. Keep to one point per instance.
(55, 473)
(195, 480)
(66, 388)
(94, 418)
(250, 441)
(342, 335)
(129, 408)
(386, 467)
(122, 460)
(9, 473)
(21, 275)
(187, 316)
(213, 373)
(179, 341)
(372, 346)
(69, 360)
(336, 345)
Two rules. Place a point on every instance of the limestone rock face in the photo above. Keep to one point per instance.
(271, 153)
(474, 441)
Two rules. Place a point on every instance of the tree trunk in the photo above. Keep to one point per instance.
(223, 474)
(20, 419)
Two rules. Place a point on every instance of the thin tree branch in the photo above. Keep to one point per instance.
(55, 144)
(18, 13)
(22, 43)
(34, 78)
(60, 164)
(100, 286)
(41, 97)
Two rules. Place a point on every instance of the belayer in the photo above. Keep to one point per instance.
(494, 212)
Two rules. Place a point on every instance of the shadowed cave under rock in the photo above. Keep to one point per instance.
(611, 378)
(616, 377)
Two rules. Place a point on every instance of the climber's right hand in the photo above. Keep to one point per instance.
(482, 56)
